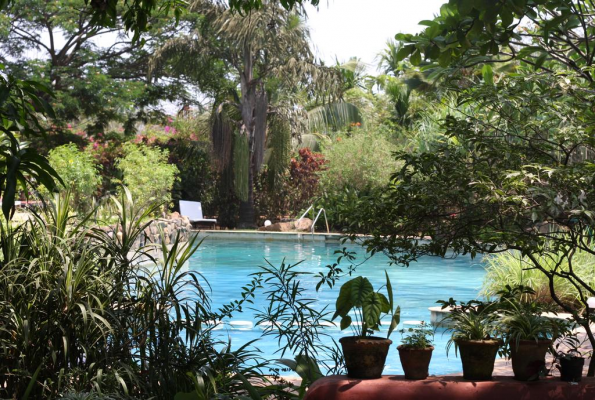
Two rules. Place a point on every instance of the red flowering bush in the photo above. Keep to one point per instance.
(287, 194)
(304, 177)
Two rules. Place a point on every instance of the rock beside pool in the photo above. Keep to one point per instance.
(302, 225)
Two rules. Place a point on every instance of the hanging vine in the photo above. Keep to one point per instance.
(279, 146)
(241, 165)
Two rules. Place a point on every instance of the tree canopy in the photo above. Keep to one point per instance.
(548, 35)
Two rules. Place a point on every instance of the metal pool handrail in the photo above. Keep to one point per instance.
(307, 211)
(316, 219)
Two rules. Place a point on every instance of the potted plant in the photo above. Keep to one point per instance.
(570, 364)
(529, 336)
(365, 354)
(474, 336)
(570, 359)
(415, 351)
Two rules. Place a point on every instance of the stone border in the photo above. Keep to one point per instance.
(269, 236)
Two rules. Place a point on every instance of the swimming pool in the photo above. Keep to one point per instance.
(227, 265)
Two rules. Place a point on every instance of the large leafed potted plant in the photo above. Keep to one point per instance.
(415, 351)
(362, 309)
(474, 336)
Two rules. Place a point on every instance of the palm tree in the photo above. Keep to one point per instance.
(267, 56)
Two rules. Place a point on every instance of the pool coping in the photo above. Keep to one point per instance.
(269, 236)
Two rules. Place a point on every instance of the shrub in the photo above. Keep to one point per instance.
(286, 194)
(81, 317)
(79, 172)
(357, 166)
(339, 207)
(197, 176)
(510, 269)
(360, 161)
(147, 174)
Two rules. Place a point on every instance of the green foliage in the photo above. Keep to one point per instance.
(419, 337)
(20, 165)
(147, 174)
(358, 161)
(357, 164)
(290, 318)
(334, 116)
(241, 166)
(368, 306)
(81, 315)
(90, 82)
(524, 321)
(529, 189)
(79, 172)
(511, 269)
(468, 33)
(289, 193)
(473, 320)
(341, 209)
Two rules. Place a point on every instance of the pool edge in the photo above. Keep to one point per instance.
(269, 236)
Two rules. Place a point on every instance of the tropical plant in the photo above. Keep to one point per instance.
(20, 165)
(292, 192)
(525, 321)
(510, 269)
(472, 320)
(339, 207)
(368, 306)
(290, 318)
(147, 174)
(359, 161)
(83, 312)
(418, 337)
(79, 172)
(569, 345)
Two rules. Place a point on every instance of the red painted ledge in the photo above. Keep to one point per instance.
(448, 388)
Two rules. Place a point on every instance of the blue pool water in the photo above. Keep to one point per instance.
(226, 265)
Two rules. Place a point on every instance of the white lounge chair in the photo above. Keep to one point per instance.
(193, 210)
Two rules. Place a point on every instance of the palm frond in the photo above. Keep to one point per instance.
(333, 116)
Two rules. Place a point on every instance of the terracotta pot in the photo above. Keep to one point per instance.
(528, 358)
(415, 362)
(571, 369)
(365, 357)
(478, 357)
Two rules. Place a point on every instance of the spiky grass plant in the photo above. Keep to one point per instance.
(525, 321)
(509, 268)
(79, 312)
(473, 320)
